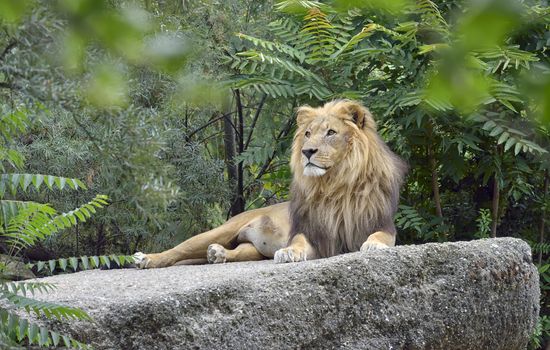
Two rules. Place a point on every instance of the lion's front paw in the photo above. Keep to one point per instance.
(216, 254)
(371, 246)
(141, 260)
(289, 254)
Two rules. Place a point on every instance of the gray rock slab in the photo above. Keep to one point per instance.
(467, 295)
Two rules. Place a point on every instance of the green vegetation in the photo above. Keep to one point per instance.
(182, 114)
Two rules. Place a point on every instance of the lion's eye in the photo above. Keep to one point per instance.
(308, 134)
(331, 132)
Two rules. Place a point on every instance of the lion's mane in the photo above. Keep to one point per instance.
(359, 196)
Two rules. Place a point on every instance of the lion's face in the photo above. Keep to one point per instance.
(325, 136)
(325, 143)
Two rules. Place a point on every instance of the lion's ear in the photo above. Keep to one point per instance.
(304, 114)
(360, 115)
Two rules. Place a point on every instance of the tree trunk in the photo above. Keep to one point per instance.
(230, 149)
(496, 199)
(495, 205)
(100, 239)
(238, 204)
(435, 176)
(543, 214)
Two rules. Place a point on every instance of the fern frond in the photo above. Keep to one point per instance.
(285, 65)
(13, 182)
(274, 46)
(271, 86)
(543, 248)
(312, 89)
(356, 39)
(318, 36)
(286, 30)
(298, 6)
(12, 157)
(13, 124)
(408, 217)
(20, 329)
(503, 57)
(37, 221)
(24, 288)
(419, 97)
(509, 136)
(42, 307)
(82, 263)
(431, 17)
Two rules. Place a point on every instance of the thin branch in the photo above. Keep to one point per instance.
(208, 123)
(254, 120)
(7, 49)
(283, 133)
(240, 125)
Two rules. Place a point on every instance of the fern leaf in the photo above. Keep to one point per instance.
(274, 46)
(86, 263)
(36, 221)
(43, 308)
(13, 182)
(20, 329)
(13, 124)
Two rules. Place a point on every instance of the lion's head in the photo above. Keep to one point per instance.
(345, 179)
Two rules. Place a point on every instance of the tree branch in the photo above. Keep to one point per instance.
(7, 49)
(283, 133)
(254, 120)
(208, 123)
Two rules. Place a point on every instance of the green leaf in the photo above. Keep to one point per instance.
(33, 333)
(22, 330)
(105, 261)
(85, 262)
(55, 338)
(51, 264)
(95, 261)
(74, 263)
(63, 264)
(40, 265)
(44, 339)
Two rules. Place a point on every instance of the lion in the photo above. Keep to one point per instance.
(344, 195)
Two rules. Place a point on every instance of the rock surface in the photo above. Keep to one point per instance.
(475, 295)
(15, 269)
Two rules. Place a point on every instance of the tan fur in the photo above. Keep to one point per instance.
(349, 193)
(358, 194)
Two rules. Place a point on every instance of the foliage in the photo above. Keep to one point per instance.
(145, 125)
(483, 223)
(22, 224)
(81, 263)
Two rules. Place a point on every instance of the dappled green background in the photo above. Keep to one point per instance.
(182, 111)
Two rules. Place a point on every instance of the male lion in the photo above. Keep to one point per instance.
(345, 190)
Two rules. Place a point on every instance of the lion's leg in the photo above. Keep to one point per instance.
(224, 235)
(299, 250)
(379, 240)
(196, 246)
(243, 252)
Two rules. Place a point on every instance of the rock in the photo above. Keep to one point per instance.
(15, 269)
(468, 295)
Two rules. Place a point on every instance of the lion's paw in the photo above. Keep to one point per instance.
(216, 254)
(141, 260)
(372, 246)
(289, 254)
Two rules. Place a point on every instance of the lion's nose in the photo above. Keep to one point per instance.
(309, 152)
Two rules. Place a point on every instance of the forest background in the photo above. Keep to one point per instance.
(181, 112)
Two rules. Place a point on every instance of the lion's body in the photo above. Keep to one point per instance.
(344, 195)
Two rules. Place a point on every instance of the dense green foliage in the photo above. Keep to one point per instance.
(182, 112)
(23, 223)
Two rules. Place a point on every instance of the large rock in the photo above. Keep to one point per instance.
(476, 295)
(14, 269)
